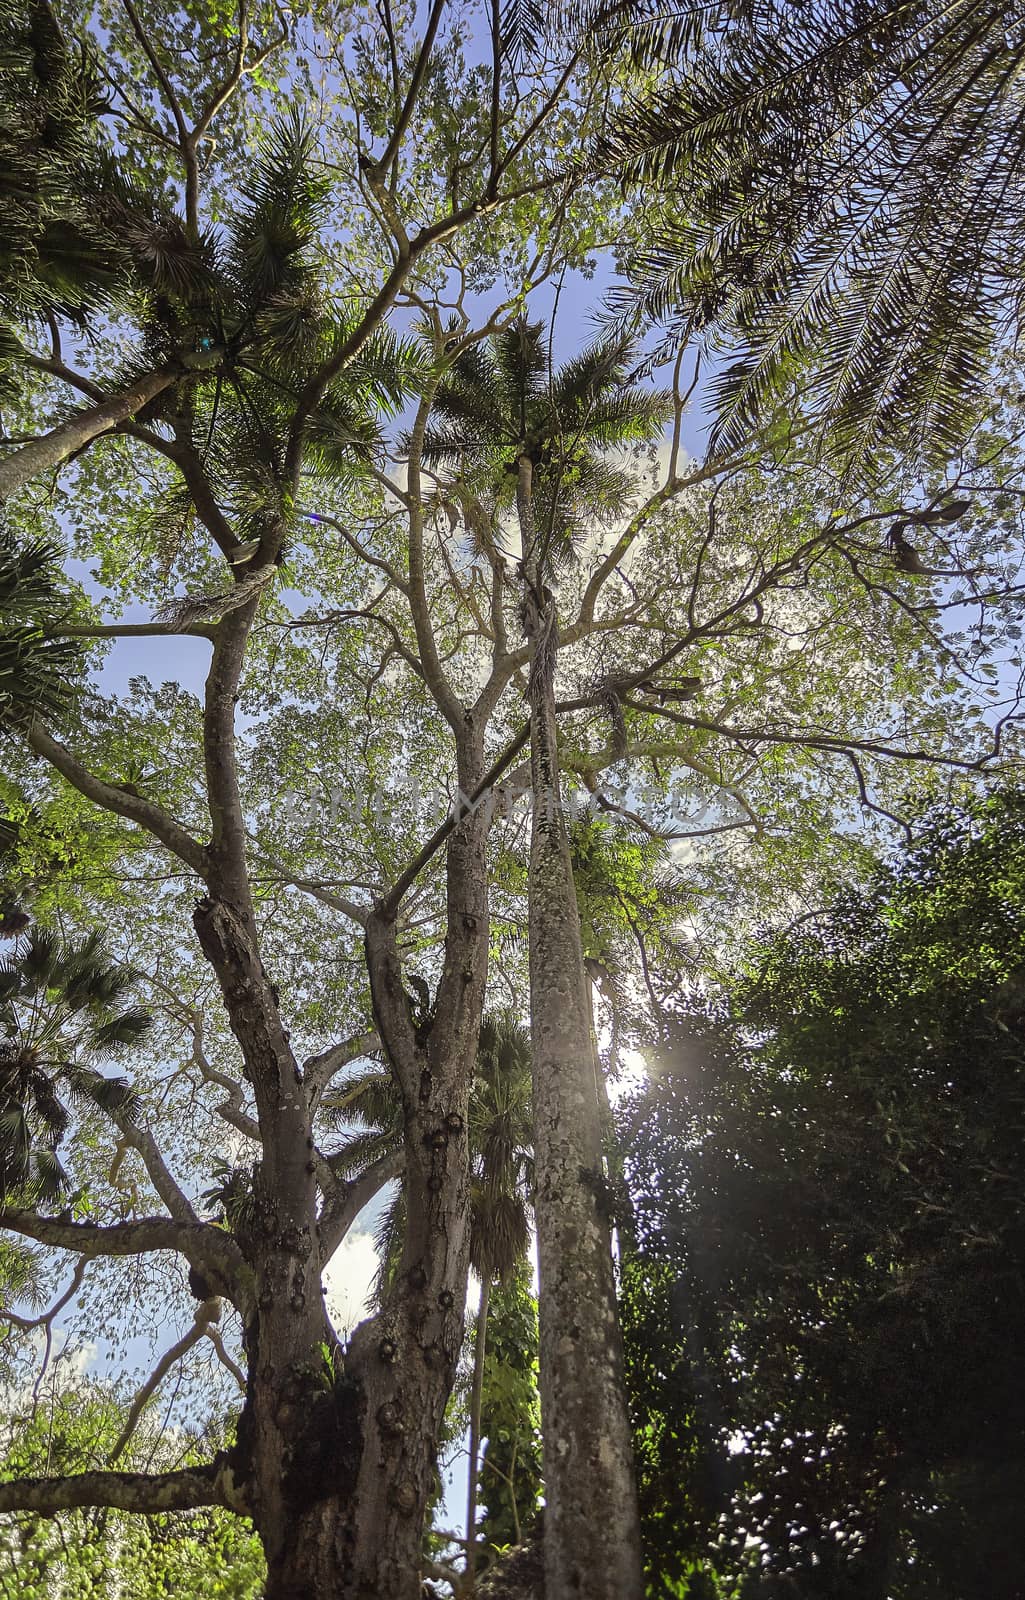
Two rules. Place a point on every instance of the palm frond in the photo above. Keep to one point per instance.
(120, 1033)
(524, 25)
(115, 1096)
(282, 204)
(36, 672)
(46, 987)
(368, 1099)
(521, 367)
(46, 1180)
(56, 256)
(388, 1236)
(841, 198)
(358, 1151)
(389, 369)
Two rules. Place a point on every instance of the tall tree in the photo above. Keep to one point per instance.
(244, 440)
(548, 431)
(330, 798)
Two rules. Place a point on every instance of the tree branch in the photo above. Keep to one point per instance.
(171, 1194)
(336, 902)
(127, 1491)
(231, 1110)
(809, 741)
(145, 813)
(318, 1070)
(26, 1324)
(340, 1213)
(379, 168)
(214, 1335)
(390, 902)
(211, 1250)
(206, 1312)
(130, 630)
(227, 852)
(173, 103)
(445, 697)
(54, 447)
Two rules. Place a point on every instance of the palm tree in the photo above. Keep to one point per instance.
(549, 435)
(230, 329)
(501, 1174)
(61, 1010)
(500, 1183)
(841, 204)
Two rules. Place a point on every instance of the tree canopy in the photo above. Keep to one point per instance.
(388, 695)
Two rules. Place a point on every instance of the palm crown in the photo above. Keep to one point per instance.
(241, 318)
(502, 401)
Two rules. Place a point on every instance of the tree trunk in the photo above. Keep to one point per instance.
(61, 442)
(336, 1453)
(336, 1450)
(479, 1348)
(401, 1364)
(592, 1526)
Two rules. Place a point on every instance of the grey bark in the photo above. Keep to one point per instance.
(128, 1491)
(592, 1525)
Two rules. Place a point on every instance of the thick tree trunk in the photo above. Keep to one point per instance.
(400, 1366)
(56, 446)
(337, 1451)
(592, 1527)
(289, 1434)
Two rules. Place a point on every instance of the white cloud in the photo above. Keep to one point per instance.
(348, 1280)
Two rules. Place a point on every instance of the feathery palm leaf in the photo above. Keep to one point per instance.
(56, 255)
(367, 1099)
(843, 192)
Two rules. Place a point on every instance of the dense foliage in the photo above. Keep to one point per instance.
(826, 1305)
(73, 1424)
